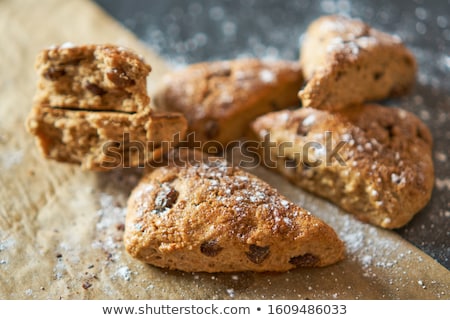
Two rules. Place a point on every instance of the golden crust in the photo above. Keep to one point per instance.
(207, 216)
(387, 172)
(219, 99)
(346, 62)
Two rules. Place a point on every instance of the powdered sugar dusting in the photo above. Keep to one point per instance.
(110, 212)
(267, 76)
(246, 191)
(60, 269)
(11, 158)
(309, 120)
(398, 178)
(123, 273)
(366, 42)
(67, 45)
(230, 190)
(7, 243)
(352, 47)
(366, 245)
(231, 292)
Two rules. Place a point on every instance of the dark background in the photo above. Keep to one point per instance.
(185, 32)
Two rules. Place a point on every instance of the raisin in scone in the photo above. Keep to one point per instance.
(92, 77)
(206, 216)
(91, 108)
(104, 140)
(346, 62)
(375, 162)
(220, 98)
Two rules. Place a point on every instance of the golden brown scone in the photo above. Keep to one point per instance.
(219, 99)
(206, 216)
(104, 140)
(346, 62)
(375, 162)
(92, 77)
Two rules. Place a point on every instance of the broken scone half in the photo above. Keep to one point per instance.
(92, 77)
(202, 215)
(375, 162)
(103, 141)
(346, 62)
(219, 99)
(91, 107)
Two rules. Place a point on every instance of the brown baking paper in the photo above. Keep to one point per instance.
(61, 228)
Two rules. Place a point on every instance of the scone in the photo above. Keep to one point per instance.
(346, 62)
(219, 99)
(375, 162)
(92, 77)
(202, 215)
(105, 140)
(92, 108)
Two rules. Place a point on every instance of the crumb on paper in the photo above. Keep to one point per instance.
(421, 283)
(86, 285)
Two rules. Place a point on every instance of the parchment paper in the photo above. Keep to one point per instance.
(61, 228)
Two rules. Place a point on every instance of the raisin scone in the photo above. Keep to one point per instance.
(92, 77)
(220, 98)
(92, 108)
(374, 162)
(346, 62)
(105, 140)
(206, 216)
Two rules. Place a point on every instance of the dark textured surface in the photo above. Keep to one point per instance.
(191, 31)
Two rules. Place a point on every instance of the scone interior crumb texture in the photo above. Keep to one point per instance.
(346, 62)
(209, 216)
(373, 161)
(92, 77)
(104, 141)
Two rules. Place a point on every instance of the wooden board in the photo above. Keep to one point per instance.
(61, 228)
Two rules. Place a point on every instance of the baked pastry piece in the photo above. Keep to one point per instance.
(91, 107)
(92, 77)
(375, 162)
(204, 215)
(105, 140)
(219, 99)
(346, 62)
